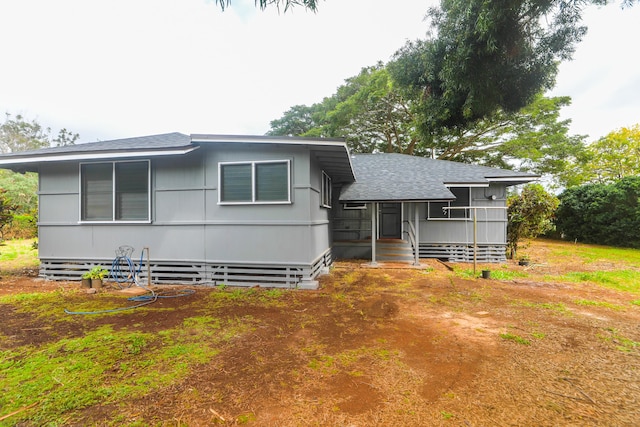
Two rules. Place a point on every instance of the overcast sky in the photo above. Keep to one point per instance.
(119, 68)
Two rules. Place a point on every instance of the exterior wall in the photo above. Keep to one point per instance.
(491, 223)
(442, 234)
(187, 223)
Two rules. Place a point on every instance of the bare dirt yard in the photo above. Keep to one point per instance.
(392, 346)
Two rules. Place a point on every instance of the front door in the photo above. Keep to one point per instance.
(390, 220)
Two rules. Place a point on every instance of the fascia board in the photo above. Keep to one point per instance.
(514, 178)
(94, 156)
(249, 139)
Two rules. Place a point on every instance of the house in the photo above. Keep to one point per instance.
(248, 210)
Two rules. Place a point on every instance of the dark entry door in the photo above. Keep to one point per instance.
(390, 220)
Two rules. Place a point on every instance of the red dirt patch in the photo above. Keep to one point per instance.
(381, 347)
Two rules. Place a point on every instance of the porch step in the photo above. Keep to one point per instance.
(394, 250)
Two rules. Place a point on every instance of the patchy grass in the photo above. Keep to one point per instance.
(595, 253)
(515, 338)
(497, 274)
(18, 254)
(557, 307)
(106, 365)
(621, 280)
(621, 343)
(605, 304)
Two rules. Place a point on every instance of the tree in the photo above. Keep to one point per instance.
(65, 137)
(533, 138)
(487, 56)
(19, 134)
(606, 214)
(19, 191)
(607, 160)
(311, 5)
(367, 111)
(530, 214)
(373, 115)
(6, 212)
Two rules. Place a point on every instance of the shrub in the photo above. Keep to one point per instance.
(22, 227)
(606, 214)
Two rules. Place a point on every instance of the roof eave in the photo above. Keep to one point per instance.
(93, 155)
(265, 139)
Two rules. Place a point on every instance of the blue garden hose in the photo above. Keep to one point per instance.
(129, 276)
(143, 299)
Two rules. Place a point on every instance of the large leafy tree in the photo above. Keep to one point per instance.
(18, 192)
(373, 116)
(613, 157)
(487, 56)
(367, 111)
(533, 138)
(20, 134)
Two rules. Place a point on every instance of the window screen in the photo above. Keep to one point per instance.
(114, 191)
(254, 182)
(236, 183)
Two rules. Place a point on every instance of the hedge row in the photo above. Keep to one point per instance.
(606, 214)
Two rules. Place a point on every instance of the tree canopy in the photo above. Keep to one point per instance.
(605, 214)
(373, 115)
(19, 134)
(613, 157)
(367, 111)
(486, 56)
(18, 192)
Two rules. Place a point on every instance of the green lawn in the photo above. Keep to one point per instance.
(18, 254)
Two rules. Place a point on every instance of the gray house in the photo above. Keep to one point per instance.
(248, 210)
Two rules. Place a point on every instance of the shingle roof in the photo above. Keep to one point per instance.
(150, 142)
(397, 177)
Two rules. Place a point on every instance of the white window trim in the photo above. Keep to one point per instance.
(325, 188)
(113, 194)
(352, 206)
(253, 183)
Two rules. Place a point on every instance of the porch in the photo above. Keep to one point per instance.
(408, 231)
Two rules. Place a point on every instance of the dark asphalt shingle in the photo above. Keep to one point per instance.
(387, 177)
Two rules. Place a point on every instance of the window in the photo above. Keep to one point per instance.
(325, 192)
(114, 191)
(254, 182)
(462, 200)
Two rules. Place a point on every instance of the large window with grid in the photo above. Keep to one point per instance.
(115, 191)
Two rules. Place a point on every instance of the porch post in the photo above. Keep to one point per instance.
(374, 231)
(416, 219)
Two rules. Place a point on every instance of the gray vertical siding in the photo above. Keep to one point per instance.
(187, 223)
(355, 224)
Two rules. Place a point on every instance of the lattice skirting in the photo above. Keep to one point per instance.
(201, 273)
(463, 253)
